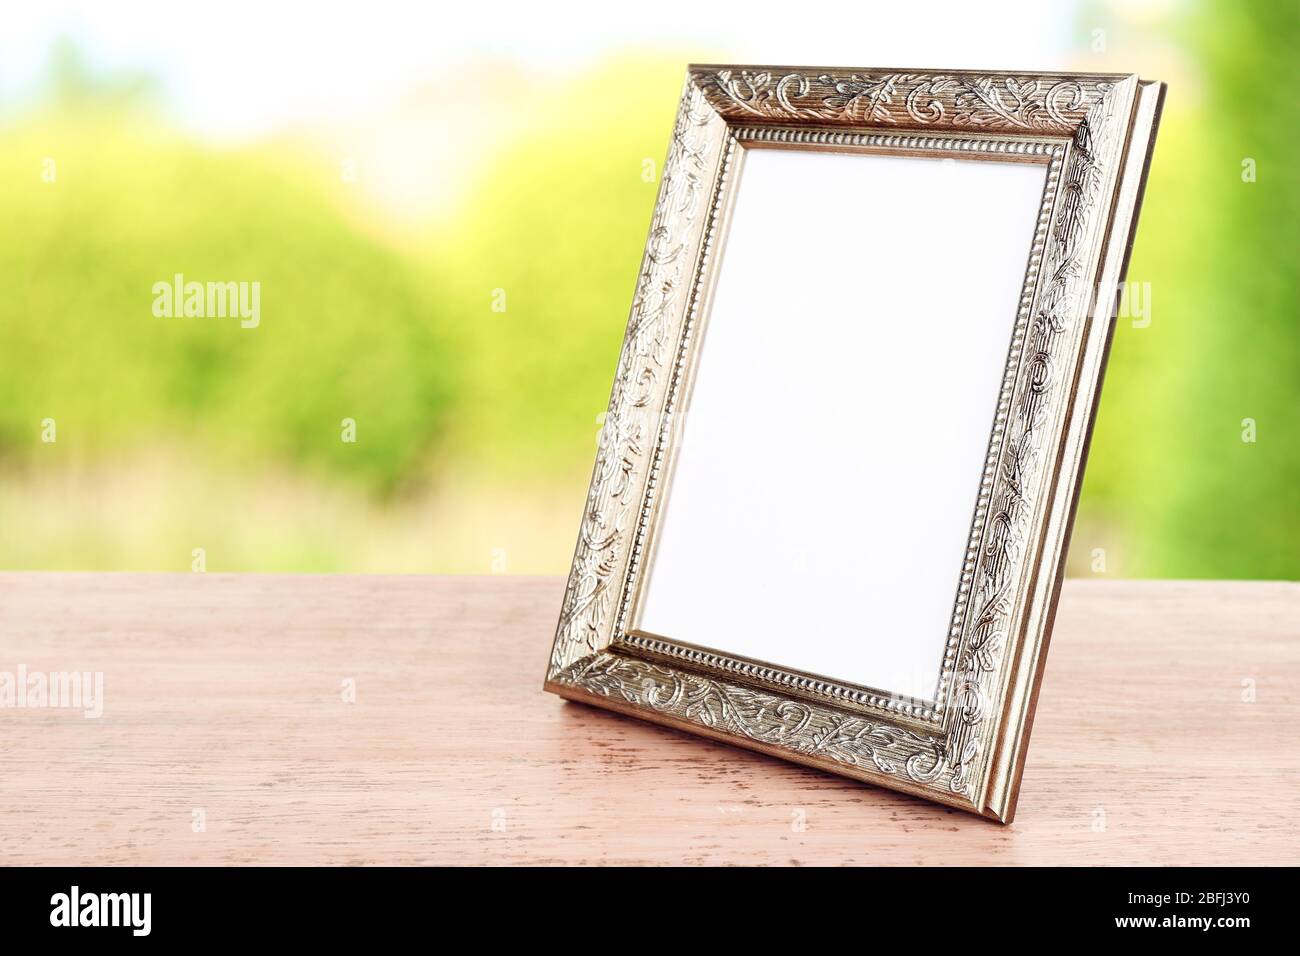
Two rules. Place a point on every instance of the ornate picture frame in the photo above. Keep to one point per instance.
(1094, 134)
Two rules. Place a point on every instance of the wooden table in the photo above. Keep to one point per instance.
(226, 736)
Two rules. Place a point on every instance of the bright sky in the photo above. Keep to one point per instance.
(237, 69)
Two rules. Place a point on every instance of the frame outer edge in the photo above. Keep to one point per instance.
(1026, 671)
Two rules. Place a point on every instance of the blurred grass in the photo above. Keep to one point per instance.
(476, 428)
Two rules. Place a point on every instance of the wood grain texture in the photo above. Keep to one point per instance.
(223, 693)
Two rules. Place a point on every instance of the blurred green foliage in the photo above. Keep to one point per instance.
(558, 224)
(400, 333)
(1171, 484)
(348, 327)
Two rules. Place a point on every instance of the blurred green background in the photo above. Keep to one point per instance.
(465, 312)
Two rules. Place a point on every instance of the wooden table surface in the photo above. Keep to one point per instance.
(1167, 732)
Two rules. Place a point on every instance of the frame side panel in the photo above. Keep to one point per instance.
(618, 481)
(1025, 680)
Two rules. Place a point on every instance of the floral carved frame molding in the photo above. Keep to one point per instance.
(965, 748)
